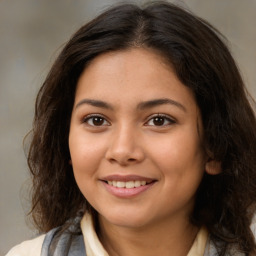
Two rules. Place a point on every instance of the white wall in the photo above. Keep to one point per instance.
(31, 34)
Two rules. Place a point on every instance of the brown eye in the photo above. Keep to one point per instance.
(160, 120)
(96, 121)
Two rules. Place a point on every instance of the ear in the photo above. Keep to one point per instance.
(213, 167)
(70, 162)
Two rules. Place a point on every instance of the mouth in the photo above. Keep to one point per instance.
(127, 184)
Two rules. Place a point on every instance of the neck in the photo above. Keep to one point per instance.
(166, 239)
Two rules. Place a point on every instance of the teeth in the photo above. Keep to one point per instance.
(120, 184)
(137, 183)
(127, 184)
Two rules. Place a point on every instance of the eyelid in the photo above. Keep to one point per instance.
(88, 117)
(166, 117)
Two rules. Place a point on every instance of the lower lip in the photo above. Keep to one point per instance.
(127, 192)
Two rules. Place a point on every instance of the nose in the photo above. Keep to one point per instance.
(125, 147)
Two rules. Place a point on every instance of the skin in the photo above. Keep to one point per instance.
(127, 137)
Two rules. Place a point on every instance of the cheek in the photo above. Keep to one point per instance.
(180, 159)
(85, 162)
(85, 154)
(178, 149)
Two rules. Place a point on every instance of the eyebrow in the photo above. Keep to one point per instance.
(95, 103)
(141, 106)
(157, 102)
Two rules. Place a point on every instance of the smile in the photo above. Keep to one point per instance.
(127, 184)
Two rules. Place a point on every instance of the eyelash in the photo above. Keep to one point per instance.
(103, 121)
(163, 117)
(94, 116)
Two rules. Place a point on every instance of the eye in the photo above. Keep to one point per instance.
(95, 120)
(160, 120)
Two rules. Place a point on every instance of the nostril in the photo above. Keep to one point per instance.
(131, 159)
(124, 155)
(123, 161)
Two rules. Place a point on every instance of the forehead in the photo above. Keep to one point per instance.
(131, 75)
(135, 60)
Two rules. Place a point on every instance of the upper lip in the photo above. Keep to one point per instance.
(117, 177)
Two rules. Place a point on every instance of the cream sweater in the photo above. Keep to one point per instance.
(93, 245)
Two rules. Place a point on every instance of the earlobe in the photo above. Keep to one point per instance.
(213, 167)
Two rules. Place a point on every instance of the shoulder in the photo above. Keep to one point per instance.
(211, 249)
(253, 225)
(28, 248)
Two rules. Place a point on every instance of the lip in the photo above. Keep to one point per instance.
(127, 178)
(127, 192)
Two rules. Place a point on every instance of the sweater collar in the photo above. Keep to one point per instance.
(94, 247)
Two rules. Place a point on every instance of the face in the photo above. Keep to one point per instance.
(136, 139)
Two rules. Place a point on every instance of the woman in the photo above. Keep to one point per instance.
(143, 141)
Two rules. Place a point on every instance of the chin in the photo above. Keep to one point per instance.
(125, 220)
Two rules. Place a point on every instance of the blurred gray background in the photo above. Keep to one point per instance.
(32, 33)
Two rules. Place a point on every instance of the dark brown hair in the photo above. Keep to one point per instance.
(225, 202)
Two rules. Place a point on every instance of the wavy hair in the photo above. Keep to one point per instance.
(225, 202)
